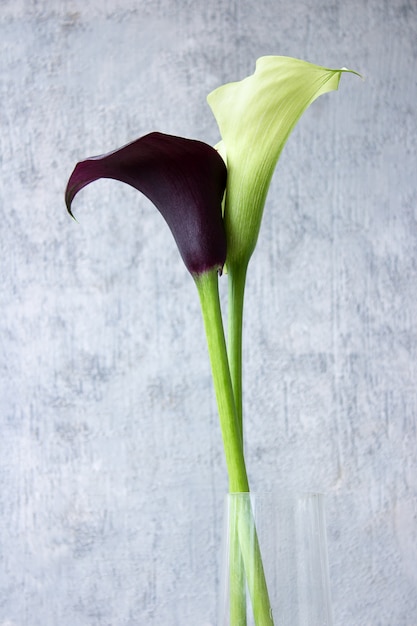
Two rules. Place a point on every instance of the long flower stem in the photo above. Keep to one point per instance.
(237, 279)
(237, 577)
(236, 283)
(207, 285)
(244, 524)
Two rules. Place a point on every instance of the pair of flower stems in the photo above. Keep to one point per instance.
(245, 560)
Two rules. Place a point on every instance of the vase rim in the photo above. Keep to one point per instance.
(278, 493)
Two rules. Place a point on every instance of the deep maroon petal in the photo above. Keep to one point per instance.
(184, 178)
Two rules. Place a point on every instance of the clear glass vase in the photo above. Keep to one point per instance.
(274, 561)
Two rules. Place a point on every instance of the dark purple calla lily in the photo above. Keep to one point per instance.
(184, 178)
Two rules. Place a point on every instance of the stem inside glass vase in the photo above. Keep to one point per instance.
(289, 530)
(246, 562)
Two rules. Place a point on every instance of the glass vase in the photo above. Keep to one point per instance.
(274, 561)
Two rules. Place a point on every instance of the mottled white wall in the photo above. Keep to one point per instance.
(111, 465)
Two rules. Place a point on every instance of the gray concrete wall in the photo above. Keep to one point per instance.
(111, 463)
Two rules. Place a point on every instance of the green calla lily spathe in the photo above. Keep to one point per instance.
(255, 118)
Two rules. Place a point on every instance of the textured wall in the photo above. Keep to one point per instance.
(111, 465)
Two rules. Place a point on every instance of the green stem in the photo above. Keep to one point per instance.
(244, 524)
(207, 285)
(237, 579)
(245, 552)
(236, 283)
(237, 280)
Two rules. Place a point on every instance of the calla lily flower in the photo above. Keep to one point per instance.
(255, 117)
(184, 178)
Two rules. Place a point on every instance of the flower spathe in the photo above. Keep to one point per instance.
(255, 117)
(184, 178)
